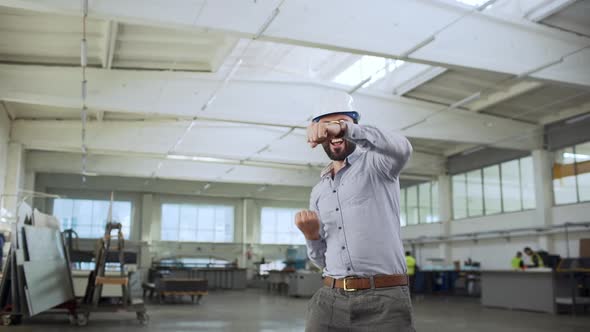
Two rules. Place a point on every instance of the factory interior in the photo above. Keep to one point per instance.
(155, 157)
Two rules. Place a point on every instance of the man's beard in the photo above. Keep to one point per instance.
(341, 153)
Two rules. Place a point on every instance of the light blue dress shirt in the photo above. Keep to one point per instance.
(359, 208)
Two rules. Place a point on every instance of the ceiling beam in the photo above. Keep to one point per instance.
(208, 142)
(144, 166)
(416, 79)
(287, 103)
(459, 36)
(547, 8)
(503, 94)
(564, 114)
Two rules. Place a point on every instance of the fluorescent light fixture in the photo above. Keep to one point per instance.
(534, 70)
(578, 118)
(197, 158)
(472, 150)
(207, 186)
(465, 101)
(263, 149)
(209, 102)
(83, 53)
(418, 46)
(86, 173)
(413, 124)
(261, 189)
(577, 156)
(360, 85)
(473, 3)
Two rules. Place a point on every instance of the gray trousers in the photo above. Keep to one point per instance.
(380, 309)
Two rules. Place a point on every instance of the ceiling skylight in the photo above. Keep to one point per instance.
(367, 67)
(474, 3)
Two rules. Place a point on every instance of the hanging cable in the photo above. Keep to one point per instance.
(84, 87)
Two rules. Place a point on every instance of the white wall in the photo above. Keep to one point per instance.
(147, 200)
(492, 253)
(496, 253)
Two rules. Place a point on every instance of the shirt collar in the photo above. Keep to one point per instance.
(354, 156)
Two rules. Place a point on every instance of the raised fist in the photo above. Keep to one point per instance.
(319, 132)
(309, 224)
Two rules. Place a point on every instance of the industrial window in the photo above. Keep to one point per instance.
(511, 186)
(571, 174)
(505, 187)
(459, 195)
(197, 223)
(277, 226)
(492, 189)
(419, 204)
(88, 218)
(474, 193)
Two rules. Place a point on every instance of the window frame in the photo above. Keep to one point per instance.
(196, 205)
(404, 205)
(128, 235)
(294, 209)
(501, 177)
(576, 174)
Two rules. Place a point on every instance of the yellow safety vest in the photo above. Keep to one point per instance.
(540, 260)
(516, 263)
(411, 264)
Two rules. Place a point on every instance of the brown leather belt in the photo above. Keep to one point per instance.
(356, 283)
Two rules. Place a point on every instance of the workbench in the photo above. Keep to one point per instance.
(532, 290)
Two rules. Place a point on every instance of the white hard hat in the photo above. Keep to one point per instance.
(336, 102)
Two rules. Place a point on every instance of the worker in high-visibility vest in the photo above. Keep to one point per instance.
(535, 258)
(411, 265)
(517, 262)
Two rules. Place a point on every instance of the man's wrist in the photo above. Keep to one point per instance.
(312, 237)
(343, 128)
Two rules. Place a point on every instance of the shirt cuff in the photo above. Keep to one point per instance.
(315, 244)
(353, 132)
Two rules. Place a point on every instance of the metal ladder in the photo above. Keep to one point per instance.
(98, 279)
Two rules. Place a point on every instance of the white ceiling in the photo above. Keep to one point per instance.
(154, 67)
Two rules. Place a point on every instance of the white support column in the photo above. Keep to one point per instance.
(145, 229)
(542, 167)
(14, 177)
(146, 218)
(248, 227)
(445, 214)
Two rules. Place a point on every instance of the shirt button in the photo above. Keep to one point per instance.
(339, 227)
(343, 247)
(337, 209)
(334, 191)
(348, 269)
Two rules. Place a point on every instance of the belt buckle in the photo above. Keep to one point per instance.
(346, 289)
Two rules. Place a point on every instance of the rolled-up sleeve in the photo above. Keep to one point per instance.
(392, 150)
(316, 249)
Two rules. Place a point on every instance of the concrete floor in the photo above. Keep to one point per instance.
(255, 310)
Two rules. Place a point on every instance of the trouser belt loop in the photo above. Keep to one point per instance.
(372, 281)
(333, 283)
